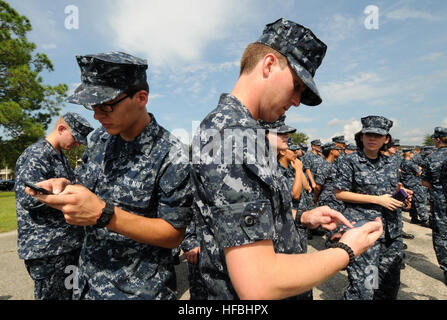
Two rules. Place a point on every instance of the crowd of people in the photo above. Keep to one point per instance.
(242, 215)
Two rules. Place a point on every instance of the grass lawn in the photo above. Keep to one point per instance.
(8, 218)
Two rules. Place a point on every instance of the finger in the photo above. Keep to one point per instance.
(30, 191)
(56, 201)
(341, 219)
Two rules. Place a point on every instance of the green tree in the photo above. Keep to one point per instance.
(26, 103)
(428, 141)
(74, 155)
(299, 137)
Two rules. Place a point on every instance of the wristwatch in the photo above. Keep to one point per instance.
(106, 215)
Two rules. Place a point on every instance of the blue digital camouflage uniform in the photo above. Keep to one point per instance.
(412, 181)
(240, 191)
(45, 241)
(148, 176)
(432, 173)
(238, 204)
(325, 177)
(356, 173)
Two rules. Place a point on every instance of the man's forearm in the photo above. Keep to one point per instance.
(153, 231)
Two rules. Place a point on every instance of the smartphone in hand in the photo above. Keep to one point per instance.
(36, 188)
(400, 195)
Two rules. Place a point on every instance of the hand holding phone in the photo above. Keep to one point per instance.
(37, 188)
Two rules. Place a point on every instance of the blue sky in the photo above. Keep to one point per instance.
(193, 48)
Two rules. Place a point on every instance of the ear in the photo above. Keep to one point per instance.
(141, 98)
(267, 64)
(61, 128)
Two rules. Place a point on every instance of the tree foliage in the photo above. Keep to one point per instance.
(27, 105)
(428, 141)
(74, 155)
(299, 137)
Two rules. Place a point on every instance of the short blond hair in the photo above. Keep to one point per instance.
(254, 53)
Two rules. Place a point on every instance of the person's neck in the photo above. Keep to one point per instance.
(330, 158)
(52, 138)
(284, 162)
(246, 90)
(137, 128)
(371, 154)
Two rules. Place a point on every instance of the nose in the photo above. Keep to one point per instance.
(296, 99)
(98, 114)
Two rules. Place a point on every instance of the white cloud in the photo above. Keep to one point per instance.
(407, 13)
(49, 46)
(296, 118)
(339, 27)
(444, 123)
(173, 33)
(337, 122)
(351, 128)
(432, 57)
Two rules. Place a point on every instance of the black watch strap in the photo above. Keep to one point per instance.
(345, 247)
(106, 215)
(299, 214)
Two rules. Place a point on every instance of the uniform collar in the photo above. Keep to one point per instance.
(140, 144)
(381, 157)
(242, 116)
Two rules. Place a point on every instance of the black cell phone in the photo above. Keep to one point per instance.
(36, 188)
(400, 195)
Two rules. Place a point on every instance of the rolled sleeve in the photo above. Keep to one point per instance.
(243, 223)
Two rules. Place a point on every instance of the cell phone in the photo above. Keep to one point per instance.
(36, 188)
(400, 195)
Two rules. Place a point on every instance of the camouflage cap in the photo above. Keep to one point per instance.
(303, 50)
(303, 146)
(339, 139)
(279, 126)
(351, 146)
(395, 143)
(407, 150)
(316, 142)
(105, 76)
(292, 146)
(439, 132)
(376, 124)
(330, 146)
(80, 127)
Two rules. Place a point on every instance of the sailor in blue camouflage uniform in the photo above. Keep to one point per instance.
(350, 148)
(45, 241)
(325, 177)
(365, 181)
(340, 142)
(431, 177)
(245, 216)
(395, 154)
(411, 179)
(312, 160)
(136, 194)
(306, 201)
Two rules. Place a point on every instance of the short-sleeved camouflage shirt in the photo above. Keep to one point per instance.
(240, 194)
(148, 176)
(42, 230)
(356, 173)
